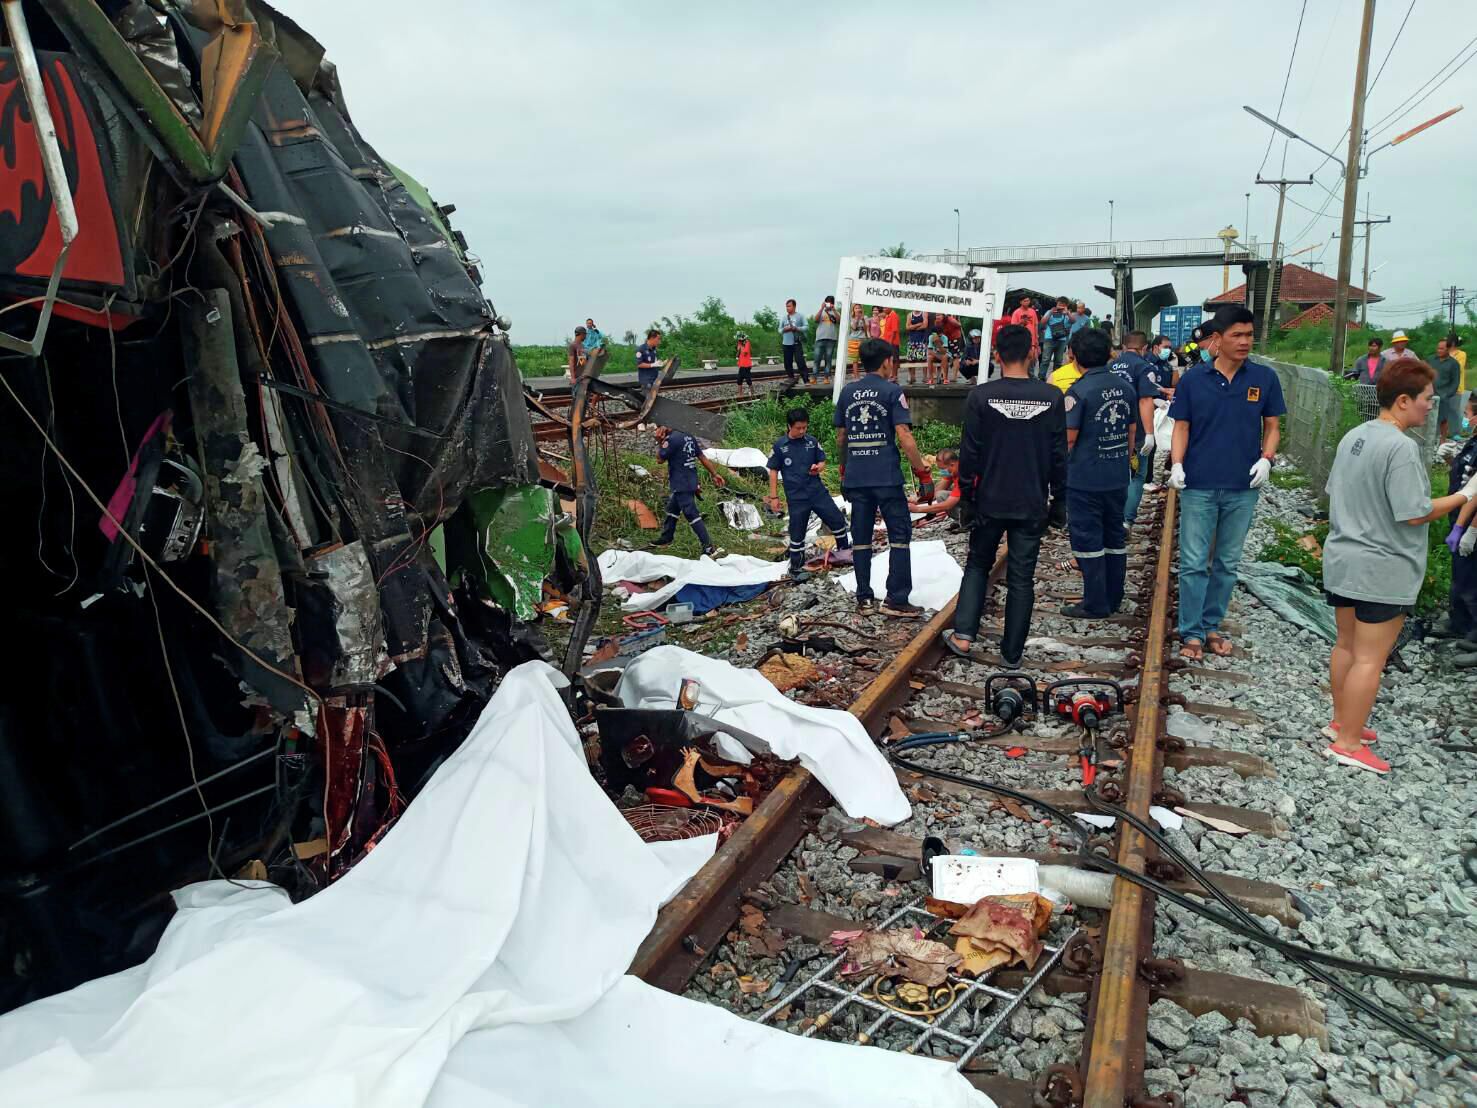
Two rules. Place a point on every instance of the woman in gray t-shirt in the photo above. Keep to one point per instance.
(1379, 509)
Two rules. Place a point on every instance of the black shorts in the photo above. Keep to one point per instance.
(1369, 611)
(746, 374)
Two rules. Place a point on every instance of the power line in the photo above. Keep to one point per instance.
(1406, 104)
(1390, 51)
(1297, 35)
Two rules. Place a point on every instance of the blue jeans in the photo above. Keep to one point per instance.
(1095, 525)
(1053, 353)
(825, 357)
(892, 502)
(1136, 482)
(1213, 526)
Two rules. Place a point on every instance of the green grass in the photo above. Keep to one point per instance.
(1288, 479)
(1313, 346)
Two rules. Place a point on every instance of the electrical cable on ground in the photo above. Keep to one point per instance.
(1252, 930)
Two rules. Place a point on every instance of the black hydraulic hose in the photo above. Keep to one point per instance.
(1253, 930)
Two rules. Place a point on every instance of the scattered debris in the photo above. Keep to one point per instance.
(789, 671)
(903, 952)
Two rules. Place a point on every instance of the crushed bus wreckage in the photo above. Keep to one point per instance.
(258, 414)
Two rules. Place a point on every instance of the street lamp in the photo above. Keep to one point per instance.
(956, 234)
(1344, 169)
(1110, 222)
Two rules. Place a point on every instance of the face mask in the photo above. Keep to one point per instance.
(1204, 355)
(1165, 353)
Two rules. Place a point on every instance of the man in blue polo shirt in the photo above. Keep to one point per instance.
(1102, 407)
(798, 460)
(647, 367)
(872, 421)
(1225, 437)
(1142, 374)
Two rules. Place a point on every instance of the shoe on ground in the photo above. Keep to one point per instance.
(1077, 611)
(716, 552)
(662, 542)
(1442, 629)
(866, 605)
(841, 557)
(1363, 758)
(1367, 737)
(799, 575)
(1465, 661)
(906, 611)
(1011, 663)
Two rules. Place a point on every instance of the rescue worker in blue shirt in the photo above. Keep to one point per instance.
(1142, 374)
(1225, 437)
(682, 453)
(1102, 408)
(872, 421)
(798, 460)
(647, 367)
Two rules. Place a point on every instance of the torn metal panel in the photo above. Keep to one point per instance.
(338, 619)
(246, 580)
(666, 411)
(153, 42)
(503, 543)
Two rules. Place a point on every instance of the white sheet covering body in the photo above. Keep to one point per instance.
(832, 744)
(643, 566)
(936, 575)
(475, 958)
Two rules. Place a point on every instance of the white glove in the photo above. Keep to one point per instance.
(1468, 544)
(1177, 476)
(1260, 472)
(1160, 402)
(1448, 450)
(1147, 447)
(1469, 490)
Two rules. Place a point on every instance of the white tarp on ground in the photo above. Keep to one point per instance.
(475, 959)
(745, 457)
(936, 575)
(832, 744)
(642, 565)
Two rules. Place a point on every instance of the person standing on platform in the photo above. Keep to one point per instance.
(1012, 485)
(1025, 316)
(682, 453)
(647, 367)
(917, 343)
(888, 326)
(1374, 559)
(1454, 348)
(872, 422)
(1101, 409)
(954, 334)
(856, 334)
(1225, 438)
(798, 460)
(745, 352)
(827, 332)
(1055, 329)
(792, 341)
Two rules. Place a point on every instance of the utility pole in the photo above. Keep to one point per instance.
(1368, 232)
(1282, 186)
(1450, 296)
(1351, 191)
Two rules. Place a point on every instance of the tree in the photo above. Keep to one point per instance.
(899, 251)
(766, 319)
(629, 338)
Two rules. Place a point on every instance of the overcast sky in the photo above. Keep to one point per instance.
(623, 161)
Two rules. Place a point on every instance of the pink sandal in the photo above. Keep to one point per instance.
(1368, 738)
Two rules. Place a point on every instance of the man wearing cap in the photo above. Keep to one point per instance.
(576, 353)
(1399, 347)
(1225, 437)
(969, 365)
(827, 330)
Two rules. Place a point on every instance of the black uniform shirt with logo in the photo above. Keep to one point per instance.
(1101, 406)
(680, 451)
(792, 459)
(869, 410)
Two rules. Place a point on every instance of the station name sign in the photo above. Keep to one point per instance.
(924, 286)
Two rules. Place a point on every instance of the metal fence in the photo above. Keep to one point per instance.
(1315, 410)
(1123, 249)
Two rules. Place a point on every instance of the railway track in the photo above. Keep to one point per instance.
(552, 400)
(1110, 960)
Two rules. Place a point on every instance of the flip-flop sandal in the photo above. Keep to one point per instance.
(1192, 649)
(947, 638)
(1215, 642)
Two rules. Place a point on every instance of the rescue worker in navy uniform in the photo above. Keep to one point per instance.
(682, 453)
(1461, 622)
(648, 369)
(798, 460)
(1143, 375)
(872, 422)
(1101, 410)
